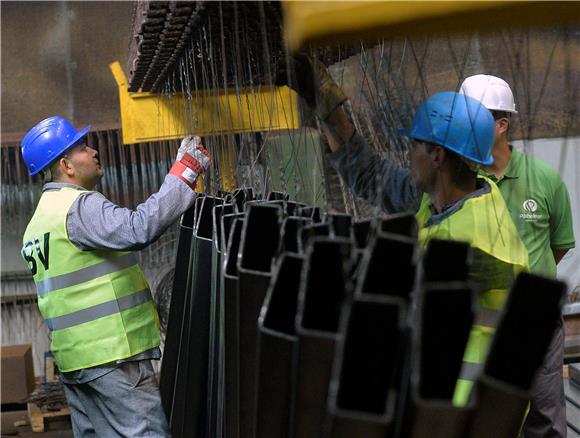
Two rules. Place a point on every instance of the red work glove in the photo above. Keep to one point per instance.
(192, 160)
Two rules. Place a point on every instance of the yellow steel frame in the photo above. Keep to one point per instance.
(320, 22)
(151, 117)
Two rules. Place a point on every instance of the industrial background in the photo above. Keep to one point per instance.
(145, 74)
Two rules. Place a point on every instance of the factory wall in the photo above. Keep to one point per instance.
(55, 60)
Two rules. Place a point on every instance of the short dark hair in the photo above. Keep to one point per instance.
(52, 171)
(500, 114)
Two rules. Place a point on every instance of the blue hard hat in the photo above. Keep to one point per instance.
(47, 141)
(456, 122)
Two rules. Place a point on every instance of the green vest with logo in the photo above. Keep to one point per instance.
(97, 304)
(499, 255)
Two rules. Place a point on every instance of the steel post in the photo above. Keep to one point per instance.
(322, 294)
(369, 355)
(259, 245)
(276, 348)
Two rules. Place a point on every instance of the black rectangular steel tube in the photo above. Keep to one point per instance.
(341, 224)
(362, 232)
(176, 311)
(499, 408)
(365, 382)
(291, 227)
(388, 255)
(276, 347)
(404, 224)
(530, 316)
(259, 245)
(322, 294)
(446, 315)
(232, 330)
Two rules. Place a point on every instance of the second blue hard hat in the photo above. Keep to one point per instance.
(456, 122)
(47, 141)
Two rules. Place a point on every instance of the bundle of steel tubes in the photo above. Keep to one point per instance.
(285, 322)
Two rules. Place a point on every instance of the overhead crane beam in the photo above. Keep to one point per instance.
(322, 22)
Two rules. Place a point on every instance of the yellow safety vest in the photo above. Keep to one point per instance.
(97, 304)
(484, 222)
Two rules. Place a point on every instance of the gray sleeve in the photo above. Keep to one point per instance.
(374, 178)
(94, 222)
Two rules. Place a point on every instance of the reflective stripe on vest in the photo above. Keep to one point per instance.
(96, 303)
(470, 371)
(486, 317)
(99, 311)
(85, 274)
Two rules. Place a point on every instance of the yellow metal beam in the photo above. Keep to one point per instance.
(321, 22)
(151, 117)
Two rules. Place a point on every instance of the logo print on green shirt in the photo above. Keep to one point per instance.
(530, 206)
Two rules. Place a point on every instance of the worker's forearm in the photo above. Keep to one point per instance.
(375, 178)
(338, 129)
(94, 222)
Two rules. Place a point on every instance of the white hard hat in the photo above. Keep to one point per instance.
(494, 93)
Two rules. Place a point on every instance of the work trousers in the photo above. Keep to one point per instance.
(122, 403)
(547, 416)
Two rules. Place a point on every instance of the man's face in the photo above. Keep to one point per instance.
(422, 168)
(87, 167)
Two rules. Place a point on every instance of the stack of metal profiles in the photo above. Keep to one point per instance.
(288, 323)
(161, 30)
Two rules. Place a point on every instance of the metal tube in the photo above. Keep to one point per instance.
(404, 224)
(276, 348)
(259, 246)
(322, 293)
(362, 231)
(232, 328)
(446, 316)
(369, 355)
(291, 227)
(309, 232)
(523, 336)
(176, 312)
(190, 407)
(396, 252)
(216, 335)
(341, 224)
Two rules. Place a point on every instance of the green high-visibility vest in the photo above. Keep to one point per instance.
(498, 256)
(97, 304)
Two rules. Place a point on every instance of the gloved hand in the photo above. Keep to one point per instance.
(310, 79)
(192, 160)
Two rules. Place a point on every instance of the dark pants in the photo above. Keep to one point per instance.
(547, 417)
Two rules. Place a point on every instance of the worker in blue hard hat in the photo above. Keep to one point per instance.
(452, 136)
(92, 293)
(539, 204)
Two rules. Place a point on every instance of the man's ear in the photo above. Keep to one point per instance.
(65, 166)
(501, 126)
(438, 156)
